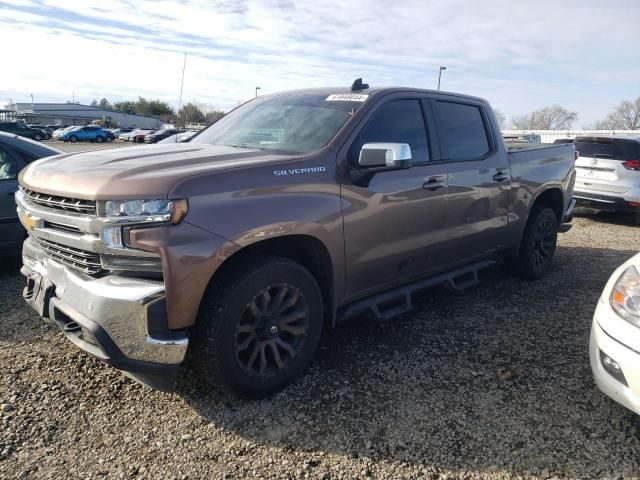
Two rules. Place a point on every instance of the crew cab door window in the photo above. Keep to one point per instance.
(398, 121)
(462, 131)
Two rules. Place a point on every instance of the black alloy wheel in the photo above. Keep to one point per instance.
(538, 244)
(543, 242)
(258, 326)
(271, 330)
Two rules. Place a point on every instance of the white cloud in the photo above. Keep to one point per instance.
(518, 55)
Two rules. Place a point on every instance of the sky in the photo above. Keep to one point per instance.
(520, 55)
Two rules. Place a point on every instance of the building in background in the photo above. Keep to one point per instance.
(78, 114)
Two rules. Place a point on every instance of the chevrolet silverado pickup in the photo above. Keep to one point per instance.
(293, 212)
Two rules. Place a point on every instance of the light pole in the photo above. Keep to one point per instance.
(257, 88)
(440, 75)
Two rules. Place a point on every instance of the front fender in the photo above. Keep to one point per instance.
(190, 256)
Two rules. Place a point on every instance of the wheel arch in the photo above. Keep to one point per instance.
(307, 250)
(552, 198)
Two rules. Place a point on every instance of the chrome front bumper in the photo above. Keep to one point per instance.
(119, 319)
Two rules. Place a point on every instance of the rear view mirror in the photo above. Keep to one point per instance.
(385, 156)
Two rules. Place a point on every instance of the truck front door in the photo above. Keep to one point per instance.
(394, 223)
(479, 178)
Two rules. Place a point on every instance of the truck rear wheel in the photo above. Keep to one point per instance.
(258, 327)
(538, 244)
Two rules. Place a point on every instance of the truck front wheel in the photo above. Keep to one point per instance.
(538, 244)
(258, 327)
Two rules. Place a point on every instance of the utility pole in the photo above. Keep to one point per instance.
(440, 75)
(257, 88)
(184, 65)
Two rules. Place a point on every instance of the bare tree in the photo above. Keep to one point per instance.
(626, 116)
(500, 117)
(553, 117)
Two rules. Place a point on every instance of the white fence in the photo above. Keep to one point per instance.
(548, 136)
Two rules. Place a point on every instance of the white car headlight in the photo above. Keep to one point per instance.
(147, 210)
(625, 297)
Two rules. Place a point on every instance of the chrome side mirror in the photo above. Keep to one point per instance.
(385, 156)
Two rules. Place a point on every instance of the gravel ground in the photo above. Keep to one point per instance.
(493, 382)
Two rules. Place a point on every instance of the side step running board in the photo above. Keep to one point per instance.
(391, 303)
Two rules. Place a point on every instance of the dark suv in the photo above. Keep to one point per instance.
(22, 130)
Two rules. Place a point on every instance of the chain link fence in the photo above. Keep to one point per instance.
(549, 136)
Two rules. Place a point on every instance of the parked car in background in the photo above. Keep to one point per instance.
(131, 136)
(615, 337)
(120, 131)
(110, 135)
(608, 173)
(88, 133)
(291, 213)
(155, 137)
(180, 137)
(15, 153)
(57, 134)
(139, 135)
(124, 136)
(55, 127)
(47, 131)
(20, 129)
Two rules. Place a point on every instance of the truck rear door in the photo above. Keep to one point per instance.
(479, 178)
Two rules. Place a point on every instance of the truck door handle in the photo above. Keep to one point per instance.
(434, 182)
(501, 177)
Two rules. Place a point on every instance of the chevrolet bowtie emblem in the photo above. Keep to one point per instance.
(28, 221)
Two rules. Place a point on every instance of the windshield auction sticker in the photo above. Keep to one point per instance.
(347, 97)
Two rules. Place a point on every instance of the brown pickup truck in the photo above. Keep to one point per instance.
(291, 213)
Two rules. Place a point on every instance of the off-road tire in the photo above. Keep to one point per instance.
(214, 341)
(538, 244)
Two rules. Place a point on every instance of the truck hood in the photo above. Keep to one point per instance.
(136, 172)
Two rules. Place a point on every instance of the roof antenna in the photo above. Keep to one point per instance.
(358, 85)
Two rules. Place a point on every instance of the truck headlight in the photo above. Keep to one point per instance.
(145, 211)
(625, 297)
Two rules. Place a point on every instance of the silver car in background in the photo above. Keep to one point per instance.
(608, 173)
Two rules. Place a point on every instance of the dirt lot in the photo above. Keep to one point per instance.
(84, 146)
(416, 398)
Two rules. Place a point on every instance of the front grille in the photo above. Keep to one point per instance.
(60, 203)
(81, 260)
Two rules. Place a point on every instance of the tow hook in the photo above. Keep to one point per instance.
(71, 327)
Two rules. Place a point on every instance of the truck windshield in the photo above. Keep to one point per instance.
(297, 123)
